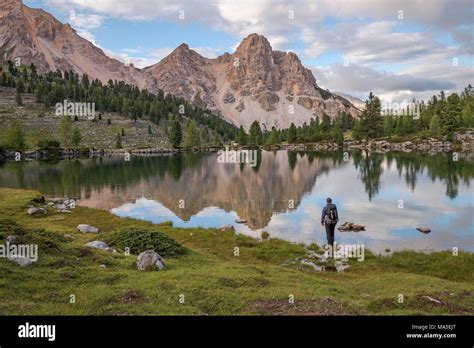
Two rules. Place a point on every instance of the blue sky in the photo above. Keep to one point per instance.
(398, 49)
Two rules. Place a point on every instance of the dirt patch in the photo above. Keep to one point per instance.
(132, 297)
(443, 301)
(322, 306)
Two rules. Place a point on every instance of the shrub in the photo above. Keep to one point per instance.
(140, 239)
(46, 240)
(10, 227)
(48, 144)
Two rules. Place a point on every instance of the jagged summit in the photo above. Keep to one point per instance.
(253, 83)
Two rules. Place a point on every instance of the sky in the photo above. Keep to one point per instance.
(399, 50)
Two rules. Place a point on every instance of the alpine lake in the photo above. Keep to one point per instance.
(282, 193)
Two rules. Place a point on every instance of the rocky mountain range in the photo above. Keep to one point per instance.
(253, 83)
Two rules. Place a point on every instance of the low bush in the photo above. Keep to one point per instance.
(140, 239)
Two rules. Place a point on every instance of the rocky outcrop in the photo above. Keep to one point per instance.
(428, 144)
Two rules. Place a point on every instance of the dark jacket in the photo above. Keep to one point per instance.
(325, 212)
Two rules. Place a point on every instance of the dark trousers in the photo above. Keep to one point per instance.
(330, 233)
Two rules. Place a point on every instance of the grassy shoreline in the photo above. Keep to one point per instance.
(212, 279)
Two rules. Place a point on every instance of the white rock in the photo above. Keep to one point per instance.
(150, 259)
(97, 244)
(37, 211)
(87, 229)
(21, 261)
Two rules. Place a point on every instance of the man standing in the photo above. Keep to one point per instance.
(329, 219)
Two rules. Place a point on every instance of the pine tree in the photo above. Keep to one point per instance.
(20, 86)
(241, 136)
(291, 137)
(454, 111)
(15, 137)
(175, 134)
(65, 130)
(273, 138)
(371, 118)
(434, 126)
(388, 125)
(76, 137)
(255, 134)
(191, 135)
(118, 141)
(18, 99)
(356, 131)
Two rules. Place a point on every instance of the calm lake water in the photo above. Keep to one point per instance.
(283, 194)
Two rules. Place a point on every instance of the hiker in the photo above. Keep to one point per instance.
(329, 219)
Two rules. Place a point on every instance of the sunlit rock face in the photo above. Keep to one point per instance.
(253, 83)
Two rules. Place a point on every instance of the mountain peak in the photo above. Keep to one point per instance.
(182, 47)
(254, 42)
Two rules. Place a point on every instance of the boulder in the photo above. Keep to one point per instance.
(21, 261)
(351, 227)
(70, 203)
(39, 199)
(97, 244)
(423, 229)
(150, 259)
(37, 211)
(60, 206)
(87, 229)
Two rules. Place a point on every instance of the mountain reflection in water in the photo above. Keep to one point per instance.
(283, 194)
